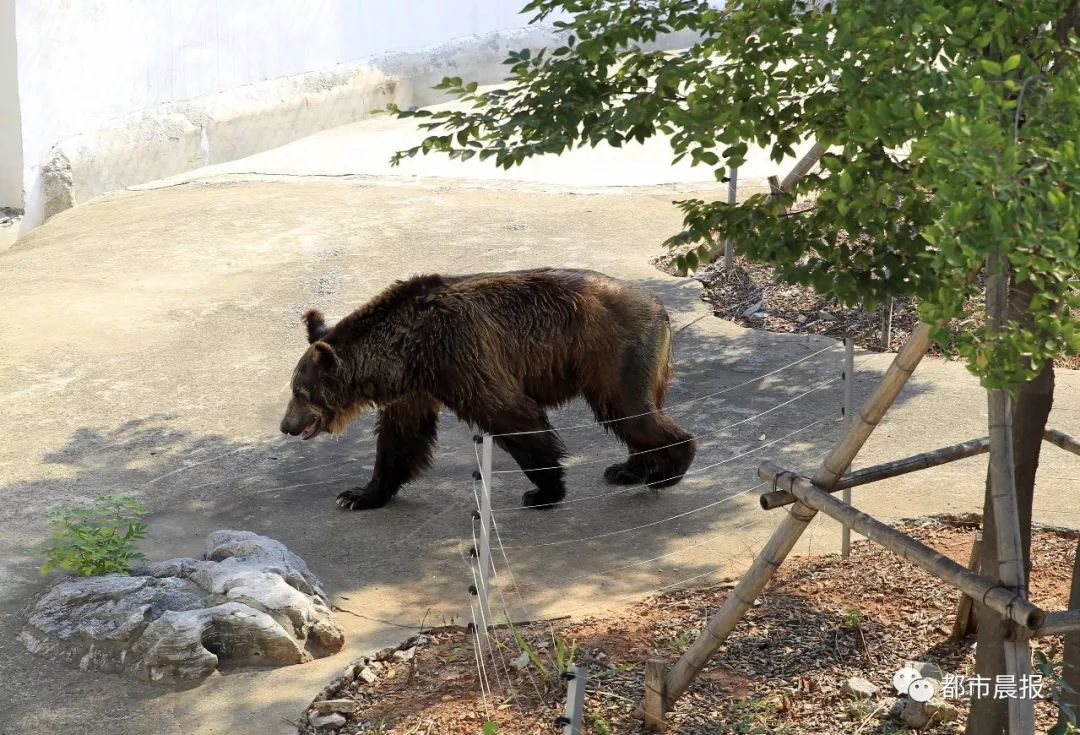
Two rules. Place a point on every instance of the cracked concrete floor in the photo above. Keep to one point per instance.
(148, 340)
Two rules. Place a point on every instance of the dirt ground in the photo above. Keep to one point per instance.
(822, 620)
(751, 297)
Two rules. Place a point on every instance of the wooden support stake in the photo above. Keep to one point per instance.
(849, 406)
(1007, 603)
(966, 621)
(774, 189)
(896, 468)
(732, 198)
(1063, 440)
(655, 671)
(886, 325)
(791, 528)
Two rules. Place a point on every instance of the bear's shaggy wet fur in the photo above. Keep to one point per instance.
(497, 349)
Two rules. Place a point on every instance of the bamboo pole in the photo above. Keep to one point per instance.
(1058, 623)
(791, 528)
(896, 468)
(1007, 603)
(1061, 439)
(1009, 546)
(965, 619)
(807, 162)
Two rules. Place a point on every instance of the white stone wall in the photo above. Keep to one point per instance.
(11, 163)
(118, 72)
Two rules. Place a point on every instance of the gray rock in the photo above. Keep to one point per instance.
(753, 310)
(913, 714)
(919, 715)
(826, 316)
(941, 711)
(859, 688)
(406, 655)
(326, 722)
(367, 675)
(328, 706)
(250, 601)
(927, 670)
(519, 663)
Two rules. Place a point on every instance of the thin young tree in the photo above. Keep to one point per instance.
(951, 129)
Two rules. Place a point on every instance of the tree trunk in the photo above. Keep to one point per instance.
(1070, 674)
(1031, 408)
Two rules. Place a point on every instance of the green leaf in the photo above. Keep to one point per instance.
(1011, 63)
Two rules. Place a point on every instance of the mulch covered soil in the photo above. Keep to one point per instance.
(821, 621)
(750, 296)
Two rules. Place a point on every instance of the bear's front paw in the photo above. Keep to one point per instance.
(361, 498)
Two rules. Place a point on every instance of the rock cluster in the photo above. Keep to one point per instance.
(249, 601)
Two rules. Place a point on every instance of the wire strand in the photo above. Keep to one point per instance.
(642, 526)
(673, 405)
(702, 435)
(694, 471)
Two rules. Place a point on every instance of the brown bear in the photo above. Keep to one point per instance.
(497, 349)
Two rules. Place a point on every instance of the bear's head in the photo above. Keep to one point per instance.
(324, 399)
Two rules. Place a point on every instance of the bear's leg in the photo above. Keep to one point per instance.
(538, 452)
(407, 430)
(660, 452)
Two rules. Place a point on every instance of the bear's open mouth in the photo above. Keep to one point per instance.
(311, 429)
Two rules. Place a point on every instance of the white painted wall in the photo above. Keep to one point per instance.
(11, 161)
(82, 63)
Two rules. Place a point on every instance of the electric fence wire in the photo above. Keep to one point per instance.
(674, 405)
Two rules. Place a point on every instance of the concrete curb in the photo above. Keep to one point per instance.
(178, 137)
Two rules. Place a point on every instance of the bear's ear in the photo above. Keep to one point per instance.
(323, 355)
(320, 360)
(316, 325)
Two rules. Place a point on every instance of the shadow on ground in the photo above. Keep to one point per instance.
(406, 563)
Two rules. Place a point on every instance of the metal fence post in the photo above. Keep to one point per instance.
(574, 714)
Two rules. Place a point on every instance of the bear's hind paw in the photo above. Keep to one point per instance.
(621, 474)
(361, 499)
(542, 499)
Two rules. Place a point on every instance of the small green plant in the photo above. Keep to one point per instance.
(98, 539)
(679, 642)
(599, 725)
(852, 618)
(1050, 668)
(564, 654)
(491, 728)
(751, 712)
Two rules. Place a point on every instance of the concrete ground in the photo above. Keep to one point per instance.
(149, 337)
